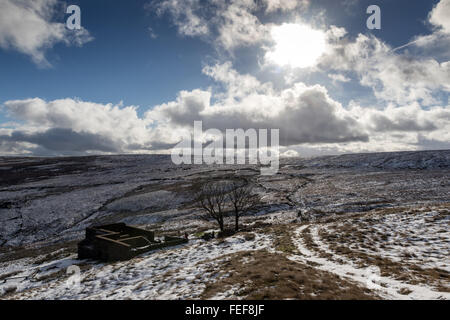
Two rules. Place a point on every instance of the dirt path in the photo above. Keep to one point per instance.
(327, 260)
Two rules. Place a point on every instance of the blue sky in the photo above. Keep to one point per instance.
(122, 63)
(137, 53)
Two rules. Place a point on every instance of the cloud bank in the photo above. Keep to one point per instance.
(27, 26)
(410, 92)
(306, 115)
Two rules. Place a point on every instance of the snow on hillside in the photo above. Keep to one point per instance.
(377, 222)
(386, 161)
(177, 273)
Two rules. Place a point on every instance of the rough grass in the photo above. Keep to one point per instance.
(4, 277)
(271, 276)
(343, 239)
(10, 254)
(282, 238)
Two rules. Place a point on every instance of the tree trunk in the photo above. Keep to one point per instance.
(236, 223)
(220, 221)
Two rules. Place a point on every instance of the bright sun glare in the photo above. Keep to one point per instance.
(296, 45)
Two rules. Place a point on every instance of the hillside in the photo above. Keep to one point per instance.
(335, 227)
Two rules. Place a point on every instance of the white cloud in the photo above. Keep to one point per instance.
(410, 118)
(304, 114)
(308, 119)
(184, 14)
(237, 86)
(228, 24)
(338, 77)
(335, 33)
(437, 42)
(408, 127)
(393, 77)
(285, 5)
(26, 26)
(440, 14)
(238, 26)
(85, 120)
(152, 33)
(289, 154)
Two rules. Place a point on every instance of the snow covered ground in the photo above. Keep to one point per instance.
(379, 221)
(371, 273)
(177, 273)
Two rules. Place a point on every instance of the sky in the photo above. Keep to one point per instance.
(138, 73)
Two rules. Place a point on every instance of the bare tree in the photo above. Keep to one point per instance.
(242, 199)
(212, 198)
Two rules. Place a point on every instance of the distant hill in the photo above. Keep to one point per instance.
(386, 160)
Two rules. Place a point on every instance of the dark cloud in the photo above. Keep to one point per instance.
(425, 143)
(64, 140)
(383, 123)
(304, 115)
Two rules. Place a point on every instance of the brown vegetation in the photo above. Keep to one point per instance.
(272, 276)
